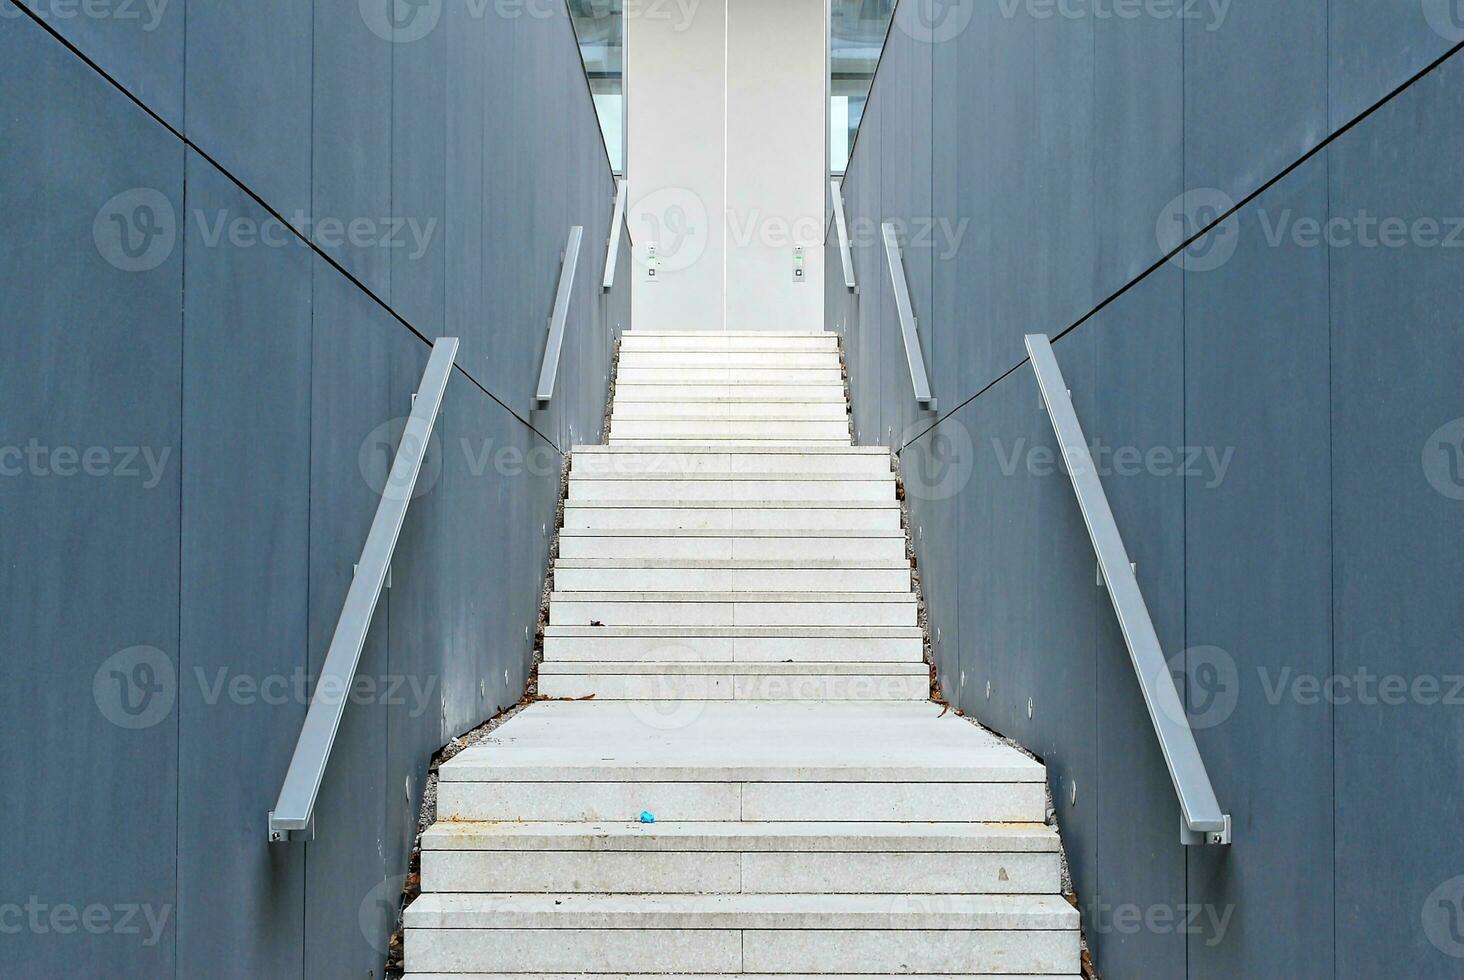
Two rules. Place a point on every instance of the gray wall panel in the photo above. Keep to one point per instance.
(1258, 589)
(351, 160)
(138, 43)
(282, 386)
(1398, 493)
(1065, 141)
(245, 586)
(249, 94)
(351, 443)
(89, 493)
(1377, 45)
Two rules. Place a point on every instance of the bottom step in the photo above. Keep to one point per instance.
(712, 976)
(817, 935)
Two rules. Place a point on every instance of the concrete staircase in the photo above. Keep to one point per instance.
(734, 591)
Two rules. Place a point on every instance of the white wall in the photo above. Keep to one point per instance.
(726, 161)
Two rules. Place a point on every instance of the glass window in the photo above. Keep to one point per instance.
(600, 26)
(857, 36)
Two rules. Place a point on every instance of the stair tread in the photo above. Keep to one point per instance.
(804, 597)
(873, 836)
(851, 632)
(799, 533)
(743, 741)
(688, 667)
(736, 564)
(446, 910)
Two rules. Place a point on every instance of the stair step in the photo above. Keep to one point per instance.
(713, 681)
(808, 934)
(786, 430)
(609, 575)
(763, 359)
(729, 409)
(734, 488)
(634, 341)
(740, 760)
(655, 389)
(736, 644)
(685, 375)
(620, 462)
(741, 544)
(731, 609)
(722, 515)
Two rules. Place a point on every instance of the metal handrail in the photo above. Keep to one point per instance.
(549, 371)
(913, 356)
(612, 249)
(846, 254)
(293, 816)
(1204, 823)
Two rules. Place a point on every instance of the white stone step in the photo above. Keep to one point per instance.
(741, 760)
(613, 461)
(771, 545)
(728, 376)
(736, 359)
(665, 681)
(633, 341)
(625, 443)
(681, 408)
(741, 857)
(711, 976)
(623, 575)
(662, 390)
(737, 644)
(774, 429)
(807, 934)
(849, 515)
(733, 487)
(731, 609)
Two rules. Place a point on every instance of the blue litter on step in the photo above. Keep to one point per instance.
(647, 817)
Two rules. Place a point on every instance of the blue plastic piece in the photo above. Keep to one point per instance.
(647, 817)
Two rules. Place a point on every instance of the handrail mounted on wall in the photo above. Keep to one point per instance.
(549, 370)
(908, 327)
(1203, 821)
(293, 816)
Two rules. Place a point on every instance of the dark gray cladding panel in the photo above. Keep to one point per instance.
(138, 42)
(270, 412)
(245, 583)
(1398, 519)
(1273, 416)
(90, 308)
